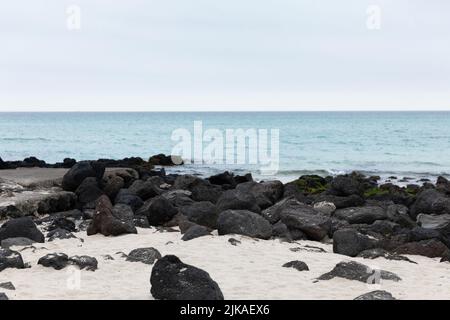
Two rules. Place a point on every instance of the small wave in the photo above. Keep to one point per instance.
(25, 139)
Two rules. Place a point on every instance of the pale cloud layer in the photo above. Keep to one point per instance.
(224, 55)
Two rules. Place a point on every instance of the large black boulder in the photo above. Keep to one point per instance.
(126, 197)
(350, 242)
(21, 227)
(243, 222)
(367, 214)
(147, 189)
(430, 201)
(172, 279)
(346, 185)
(80, 171)
(88, 192)
(158, 211)
(195, 231)
(238, 200)
(203, 213)
(266, 193)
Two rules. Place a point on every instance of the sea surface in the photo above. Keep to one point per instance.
(404, 144)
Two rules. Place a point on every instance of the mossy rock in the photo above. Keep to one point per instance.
(311, 184)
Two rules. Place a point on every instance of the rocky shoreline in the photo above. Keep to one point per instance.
(354, 215)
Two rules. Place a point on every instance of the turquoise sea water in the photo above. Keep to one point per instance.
(387, 143)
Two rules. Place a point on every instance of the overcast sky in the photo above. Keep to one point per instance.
(224, 55)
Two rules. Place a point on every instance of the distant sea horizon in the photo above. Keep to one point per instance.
(402, 143)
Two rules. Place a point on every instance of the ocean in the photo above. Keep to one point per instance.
(411, 144)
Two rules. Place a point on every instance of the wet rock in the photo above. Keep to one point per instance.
(172, 279)
(296, 264)
(356, 271)
(376, 295)
(245, 223)
(144, 255)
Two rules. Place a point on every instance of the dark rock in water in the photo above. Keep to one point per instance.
(179, 198)
(304, 218)
(56, 261)
(378, 252)
(171, 279)
(163, 160)
(123, 212)
(225, 178)
(346, 186)
(432, 248)
(376, 295)
(236, 200)
(32, 162)
(266, 193)
(58, 234)
(144, 255)
(430, 201)
(342, 202)
(203, 213)
(158, 211)
(10, 259)
(80, 171)
(243, 222)
(296, 264)
(367, 214)
(84, 262)
(147, 189)
(88, 192)
(233, 241)
(3, 296)
(141, 222)
(195, 232)
(126, 197)
(62, 223)
(356, 271)
(19, 241)
(21, 227)
(350, 242)
(105, 223)
(7, 286)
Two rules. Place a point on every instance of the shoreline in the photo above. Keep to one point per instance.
(255, 228)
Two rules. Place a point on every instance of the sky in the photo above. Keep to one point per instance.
(228, 55)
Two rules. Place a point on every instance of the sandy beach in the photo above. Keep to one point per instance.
(250, 270)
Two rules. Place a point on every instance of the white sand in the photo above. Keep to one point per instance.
(250, 270)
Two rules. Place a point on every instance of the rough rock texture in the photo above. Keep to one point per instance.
(80, 171)
(296, 264)
(350, 242)
(195, 231)
(10, 259)
(144, 255)
(171, 279)
(21, 227)
(356, 271)
(105, 223)
(367, 214)
(56, 261)
(376, 295)
(203, 213)
(158, 211)
(244, 222)
(84, 262)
